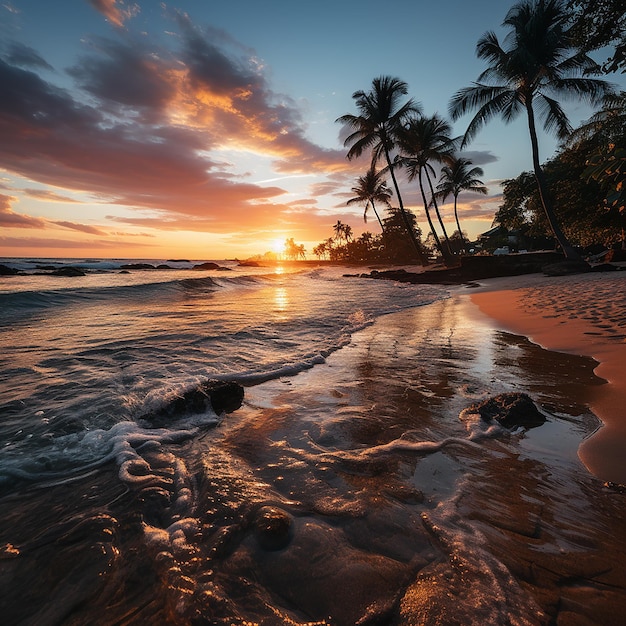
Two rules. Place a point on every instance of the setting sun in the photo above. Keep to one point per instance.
(278, 246)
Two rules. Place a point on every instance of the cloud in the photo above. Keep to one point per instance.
(147, 127)
(83, 228)
(48, 196)
(116, 12)
(25, 56)
(41, 243)
(10, 219)
(480, 157)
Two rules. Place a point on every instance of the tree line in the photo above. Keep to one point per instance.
(543, 58)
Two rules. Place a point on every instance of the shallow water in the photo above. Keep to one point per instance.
(351, 487)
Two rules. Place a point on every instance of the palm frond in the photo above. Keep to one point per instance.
(554, 117)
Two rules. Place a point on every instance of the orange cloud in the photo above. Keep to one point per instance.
(10, 219)
(115, 11)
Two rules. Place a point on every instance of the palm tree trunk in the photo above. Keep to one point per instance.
(377, 216)
(422, 259)
(456, 217)
(559, 235)
(430, 221)
(438, 214)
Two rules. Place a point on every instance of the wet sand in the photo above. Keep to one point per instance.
(358, 492)
(582, 314)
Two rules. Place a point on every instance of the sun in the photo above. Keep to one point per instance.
(278, 246)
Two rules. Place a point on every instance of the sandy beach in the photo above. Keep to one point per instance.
(583, 314)
(366, 489)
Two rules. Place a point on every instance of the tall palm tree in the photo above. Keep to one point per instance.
(340, 229)
(381, 114)
(371, 188)
(458, 177)
(421, 141)
(536, 64)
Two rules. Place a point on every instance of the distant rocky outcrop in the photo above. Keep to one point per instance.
(509, 410)
(137, 266)
(206, 266)
(472, 268)
(5, 270)
(68, 271)
(220, 396)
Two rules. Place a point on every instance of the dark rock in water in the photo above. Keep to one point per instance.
(221, 396)
(206, 266)
(124, 272)
(565, 268)
(178, 261)
(164, 266)
(137, 266)
(272, 528)
(510, 410)
(68, 271)
(7, 271)
(249, 264)
(605, 267)
(473, 268)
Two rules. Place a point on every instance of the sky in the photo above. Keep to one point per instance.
(206, 130)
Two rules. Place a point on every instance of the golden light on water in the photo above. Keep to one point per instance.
(281, 299)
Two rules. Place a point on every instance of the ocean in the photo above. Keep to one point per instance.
(341, 492)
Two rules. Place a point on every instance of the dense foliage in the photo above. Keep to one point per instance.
(601, 24)
(587, 182)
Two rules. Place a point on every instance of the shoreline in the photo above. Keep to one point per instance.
(583, 314)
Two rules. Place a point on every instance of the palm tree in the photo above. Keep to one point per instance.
(381, 114)
(339, 229)
(456, 178)
(536, 65)
(370, 188)
(422, 141)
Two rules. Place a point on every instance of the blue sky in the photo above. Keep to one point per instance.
(207, 129)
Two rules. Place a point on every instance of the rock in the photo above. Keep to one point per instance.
(137, 266)
(510, 410)
(164, 266)
(5, 270)
(249, 264)
(68, 271)
(206, 266)
(272, 528)
(178, 261)
(221, 396)
(565, 268)
(605, 267)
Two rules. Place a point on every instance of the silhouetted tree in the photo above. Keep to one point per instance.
(536, 63)
(458, 177)
(421, 141)
(381, 114)
(371, 188)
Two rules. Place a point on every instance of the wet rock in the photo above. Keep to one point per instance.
(7, 271)
(605, 267)
(272, 528)
(565, 268)
(510, 410)
(68, 271)
(137, 266)
(206, 266)
(221, 396)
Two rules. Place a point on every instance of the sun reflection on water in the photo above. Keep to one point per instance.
(281, 299)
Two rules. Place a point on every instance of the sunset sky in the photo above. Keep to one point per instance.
(206, 130)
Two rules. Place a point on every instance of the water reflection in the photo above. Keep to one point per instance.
(281, 299)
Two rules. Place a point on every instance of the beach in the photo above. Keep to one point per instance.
(582, 314)
(359, 487)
